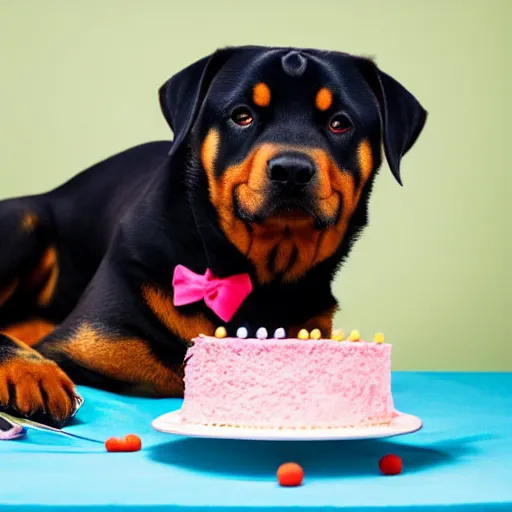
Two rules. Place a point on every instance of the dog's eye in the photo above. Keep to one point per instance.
(242, 116)
(340, 123)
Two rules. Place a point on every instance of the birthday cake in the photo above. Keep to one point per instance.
(305, 383)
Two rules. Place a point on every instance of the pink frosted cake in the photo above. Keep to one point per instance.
(288, 383)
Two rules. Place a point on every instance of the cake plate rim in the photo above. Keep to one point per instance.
(171, 423)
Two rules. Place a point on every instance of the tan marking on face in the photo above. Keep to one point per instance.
(365, 155)
(209, 151)
(261, 94)
(295, 243)
(344, 184)
(323, 100)
(284, 254)
(29, 222)
(247, 181)
(284, 237)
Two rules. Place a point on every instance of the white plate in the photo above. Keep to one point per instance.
(172, 423)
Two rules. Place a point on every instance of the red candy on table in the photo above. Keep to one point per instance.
(290, 474)
(131, 443)
(113, 444)
(390, 464)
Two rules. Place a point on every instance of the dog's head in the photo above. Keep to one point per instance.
(289, 142)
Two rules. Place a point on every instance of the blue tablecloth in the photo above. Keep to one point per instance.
(462, 458)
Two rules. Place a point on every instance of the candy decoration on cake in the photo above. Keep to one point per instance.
(315, 334)
(262, 333)
(303, 334)
(221, 332)
(280, 334)
(354, 336)
(290, 474)
(391, 464)
(338, 335)
(379, 338)
(242, 333)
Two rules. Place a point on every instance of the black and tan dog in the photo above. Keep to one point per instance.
(274, 155)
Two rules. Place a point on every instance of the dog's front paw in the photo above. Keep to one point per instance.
(36, 388)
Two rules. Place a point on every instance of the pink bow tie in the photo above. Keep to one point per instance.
(222, 296)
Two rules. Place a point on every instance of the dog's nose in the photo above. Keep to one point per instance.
(291, 170)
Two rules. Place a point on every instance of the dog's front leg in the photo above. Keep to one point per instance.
(98, 354)
(33, 386)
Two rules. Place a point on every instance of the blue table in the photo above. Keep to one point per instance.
(462, 458)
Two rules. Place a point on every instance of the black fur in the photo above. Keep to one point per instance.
(129, 220)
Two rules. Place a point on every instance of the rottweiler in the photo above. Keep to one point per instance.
(266, 181)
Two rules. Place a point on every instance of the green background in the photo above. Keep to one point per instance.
(79, 82)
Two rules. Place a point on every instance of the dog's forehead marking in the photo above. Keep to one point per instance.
(323, 99)
(294, 63)
(261, 94)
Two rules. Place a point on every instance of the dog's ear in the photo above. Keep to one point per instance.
(402, 116)
(182, 95)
